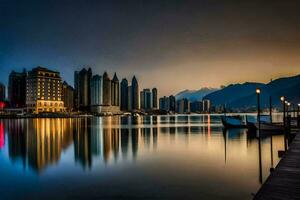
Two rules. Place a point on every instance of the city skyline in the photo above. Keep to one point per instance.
(156, 41)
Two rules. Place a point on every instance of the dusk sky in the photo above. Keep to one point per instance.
(172, 45)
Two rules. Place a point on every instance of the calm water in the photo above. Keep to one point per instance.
(164, 157)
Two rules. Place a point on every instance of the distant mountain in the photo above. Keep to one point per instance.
(194, 95)
(232, 92)
(242, 96)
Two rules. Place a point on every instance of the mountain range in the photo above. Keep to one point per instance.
(195, 95)
(243, 96)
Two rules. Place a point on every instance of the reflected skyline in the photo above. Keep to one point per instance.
(156, 149)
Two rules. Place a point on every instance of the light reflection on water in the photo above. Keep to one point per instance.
(163, 157)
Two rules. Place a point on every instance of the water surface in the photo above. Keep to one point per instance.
(157, 157)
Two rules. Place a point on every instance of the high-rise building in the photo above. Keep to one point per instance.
(183, 106)
(164, 103)
(106, 88)
(17, 89)
(129, 90)
(206, 105)
(154, 98)
(96, 93)
(124, 95)
(142, 100)
(146, 100)
(82, 81)
(196, 106)
(44, 91)
(172, 103)
(2, 92)
(115, 91)
(135, 94)
(68, 96)
(96, 90)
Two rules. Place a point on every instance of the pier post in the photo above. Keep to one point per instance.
(258, 107)
(270, 101)
(298, 118)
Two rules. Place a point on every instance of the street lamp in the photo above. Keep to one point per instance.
(283, 106)
(288, 108)
(258, 106)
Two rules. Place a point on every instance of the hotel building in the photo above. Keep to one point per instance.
(44, 91)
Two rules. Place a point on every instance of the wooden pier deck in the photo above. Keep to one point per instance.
(284, 181)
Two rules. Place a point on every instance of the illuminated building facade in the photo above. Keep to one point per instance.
(44, 91)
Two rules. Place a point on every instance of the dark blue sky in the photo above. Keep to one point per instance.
(169, 44)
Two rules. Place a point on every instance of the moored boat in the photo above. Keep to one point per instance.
(265, 124)
(233, 122)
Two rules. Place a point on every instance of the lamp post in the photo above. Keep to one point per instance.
(283, 106)
(258, 106)
(288, 108)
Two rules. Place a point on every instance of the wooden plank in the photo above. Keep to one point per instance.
(284, 181)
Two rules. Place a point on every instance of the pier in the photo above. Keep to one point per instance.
(284, 181)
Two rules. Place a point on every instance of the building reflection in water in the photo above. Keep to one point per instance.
(39, 143)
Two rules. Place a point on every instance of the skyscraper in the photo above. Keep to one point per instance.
(68, 96)
(2, 92)
(135, 93)
(44, 91)
(124, 95)
(146, 100)
(206, 105)
(164, 103)
(96, 93)
(82, 84)
(129, 101)
(106, 90)
(115, 91)
(154, 98)
(172, 104)
(17, 89)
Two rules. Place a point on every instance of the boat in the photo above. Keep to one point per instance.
(233, 122)
(265, 124)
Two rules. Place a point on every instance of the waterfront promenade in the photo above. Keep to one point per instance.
(284, 181)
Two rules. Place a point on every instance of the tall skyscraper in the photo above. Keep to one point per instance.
(17, 89)
(115, 91)
(44, 91)
(82, 84)
(106, 90)
(124, 95)
(154, 98)
(146, 99)
(129, 90)
(2, 92)
(96, 93)
(172, 104)
(135, 94)
(68, 96)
